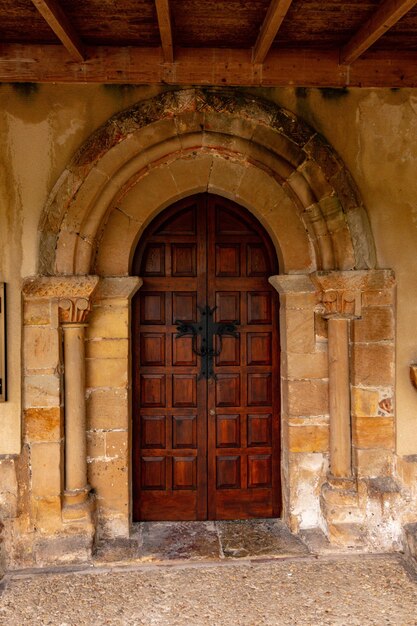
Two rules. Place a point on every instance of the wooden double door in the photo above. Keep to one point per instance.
(205, 359)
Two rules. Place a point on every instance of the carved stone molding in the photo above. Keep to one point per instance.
(73, 294)
(61, 287)
(340, 293)
(73, 310)
(341, 304)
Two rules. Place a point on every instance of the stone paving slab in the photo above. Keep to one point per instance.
(343, 591)
(196, 541)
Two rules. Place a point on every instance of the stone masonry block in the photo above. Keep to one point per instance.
(42, 391)
(305, 366)
(8, 489)
(225, 175)
(47, 513)
(299, 331)
(96, 444)
(36, 312)
(192, 173)
(107, 409)
(302, 300)
(373, 432)
(117, 444)
(300, 187)
(46, 460)
(108, 322)
(377, 297)
(305, 438)
(106, 372)
(43, 424)
(107, 349)
(376, 324)
(112, 258)
(308, 397)
(110, 480)
(372, 462)
(364, 402)
(373, 364)
(41, 348)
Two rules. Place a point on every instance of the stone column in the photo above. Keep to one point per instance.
(339, 397)
(76, 488)
(341, 305)
(73, 312)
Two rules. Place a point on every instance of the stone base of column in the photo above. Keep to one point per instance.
(340, 506)
(78, 505)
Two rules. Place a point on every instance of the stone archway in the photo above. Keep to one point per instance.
(145, 158)
(260, 145)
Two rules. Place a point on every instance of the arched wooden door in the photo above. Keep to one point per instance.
(205, 366)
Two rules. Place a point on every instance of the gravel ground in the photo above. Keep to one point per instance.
(339, 591)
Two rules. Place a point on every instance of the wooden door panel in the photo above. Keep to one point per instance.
(184, 472)
(184, 259)
(228, 259)
(259, 348)
(184, 431)
(184, 390)
(152, 310)
(155, 260)
(152, 349)
(259, 471)
(152, 390)
(184, 306)
(153, 431)
(259, 431)
(182, 351)
(153, 472)
(259, 389)
(228, 431)
(205, 448)
(227, 306)
(228, 390)
(259, 308)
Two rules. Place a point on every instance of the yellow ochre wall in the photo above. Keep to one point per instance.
(42, 126)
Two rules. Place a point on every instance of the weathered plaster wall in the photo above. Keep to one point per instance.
(373, 131)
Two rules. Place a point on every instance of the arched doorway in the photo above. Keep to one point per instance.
(205, 366)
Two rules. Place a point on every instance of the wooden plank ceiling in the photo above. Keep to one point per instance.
(210, 42)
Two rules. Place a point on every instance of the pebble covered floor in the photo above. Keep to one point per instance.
(351, 590)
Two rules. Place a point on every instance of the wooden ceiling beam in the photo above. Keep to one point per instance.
(277, 10)
(387, 14)
(165, 29)
(55, 17)
(206, 66)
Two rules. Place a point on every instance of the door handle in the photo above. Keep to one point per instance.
(207, 329)
(212, 412)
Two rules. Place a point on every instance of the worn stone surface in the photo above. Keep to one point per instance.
(337, 592)
(196, 541)
(258, 538)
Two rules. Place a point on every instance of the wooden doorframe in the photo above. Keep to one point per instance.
(272, 254)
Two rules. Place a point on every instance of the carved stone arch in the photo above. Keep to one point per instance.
(265, 158)
(255, 152)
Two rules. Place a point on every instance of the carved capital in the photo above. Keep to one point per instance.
(73, 310)
(341, 303)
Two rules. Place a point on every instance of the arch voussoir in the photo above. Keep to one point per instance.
(234, 128)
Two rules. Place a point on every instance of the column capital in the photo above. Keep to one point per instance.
(341, 291)
(72, 293)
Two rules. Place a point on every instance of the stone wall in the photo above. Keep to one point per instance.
(299, 188)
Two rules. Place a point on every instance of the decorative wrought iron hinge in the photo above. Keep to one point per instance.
(207, 329)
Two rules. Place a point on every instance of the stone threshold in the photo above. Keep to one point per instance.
(208, 541)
